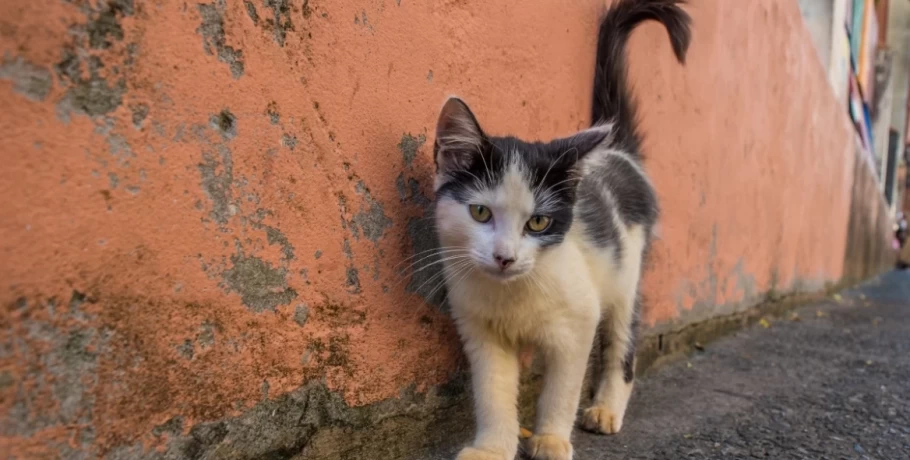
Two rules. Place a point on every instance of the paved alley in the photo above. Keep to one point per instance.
(833, 384)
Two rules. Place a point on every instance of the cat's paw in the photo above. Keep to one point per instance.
(472, 453)
(601, 419)
(548, 447)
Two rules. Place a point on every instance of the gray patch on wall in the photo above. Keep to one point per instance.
(104, 22)
(251, 11)
(272, 111)
(280, 22)
(217, 174)
(225, 123)
(301, 314)
(91, 96)
(64, 366)
(400, 186)
(353, 280)
(274, 236)
(409, 146)
(372, 220)
(140, 113)
(313, 422)
(213, 38)
(261, 286)
(289, 141)
(28, 79)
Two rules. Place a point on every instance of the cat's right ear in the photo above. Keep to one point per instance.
(458, 137)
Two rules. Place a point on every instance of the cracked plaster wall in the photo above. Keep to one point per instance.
(207, 206)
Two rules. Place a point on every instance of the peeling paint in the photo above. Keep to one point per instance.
(117, 144)
(301, 314)
(92, 96)
(206, 336)
(251, 11)
(213, 38)
(272, 112)
(400, 186)
(217, 174)
(409, 146)
(225, 123)
(104, 23)
(353, 280)
(261, 286)
(140, 113)
(288, 141)
(276, 237)
(63, 371)
(346, 249)
(280, 23)
(187, 349)
(372, 220)
(28, 79)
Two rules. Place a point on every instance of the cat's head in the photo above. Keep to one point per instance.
(502, 202)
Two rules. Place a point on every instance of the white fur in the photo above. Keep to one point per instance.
(553, 299)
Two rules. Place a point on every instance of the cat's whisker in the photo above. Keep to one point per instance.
(405, 277)
(437, 275)
(426, 262)
(428, 254)
(464, 270)
(442, 273)
(434, 249)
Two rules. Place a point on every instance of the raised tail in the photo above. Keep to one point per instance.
(613, 102)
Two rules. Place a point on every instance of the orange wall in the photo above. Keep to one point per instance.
(204, 207)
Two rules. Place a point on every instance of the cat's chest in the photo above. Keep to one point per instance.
(525, 311)
(514, 317)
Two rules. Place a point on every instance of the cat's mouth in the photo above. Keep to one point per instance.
(504, 276)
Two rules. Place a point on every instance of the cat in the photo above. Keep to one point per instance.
(541, 243)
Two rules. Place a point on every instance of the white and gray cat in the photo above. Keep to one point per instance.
(541, 242)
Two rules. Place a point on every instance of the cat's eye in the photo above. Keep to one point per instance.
(538, 223)
(480, 213)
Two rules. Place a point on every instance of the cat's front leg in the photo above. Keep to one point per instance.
(494, 377)
(566, 360)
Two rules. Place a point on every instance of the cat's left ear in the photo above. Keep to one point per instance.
(458, 137)
(576, 150)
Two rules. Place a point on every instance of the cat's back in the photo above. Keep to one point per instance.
(616, 204)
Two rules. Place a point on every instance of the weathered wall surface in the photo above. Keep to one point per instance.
(207, 207)
(870, 232)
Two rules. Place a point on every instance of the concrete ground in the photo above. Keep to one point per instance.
(832, 382)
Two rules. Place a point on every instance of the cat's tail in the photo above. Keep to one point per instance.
(613, 102)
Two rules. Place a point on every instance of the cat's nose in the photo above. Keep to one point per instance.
(503, 261)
